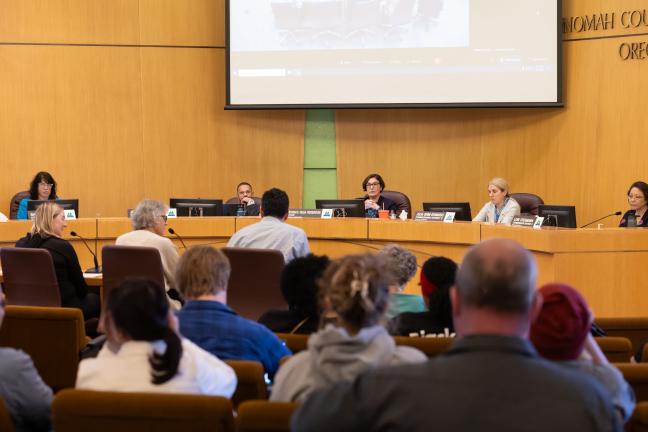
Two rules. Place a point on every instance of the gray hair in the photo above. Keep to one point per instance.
(498, 274)
(400, 261)
(146, 212)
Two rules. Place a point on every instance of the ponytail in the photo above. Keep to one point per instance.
(165, 366)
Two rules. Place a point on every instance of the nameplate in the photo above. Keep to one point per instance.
(430, 216)
(69, 213)
(523, 221)
(305, 213)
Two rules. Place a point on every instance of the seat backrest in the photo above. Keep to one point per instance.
(29, 277)
(15, 203)
(431, 347)
(639, 420)
(528, 202)
(85, 410)
(616, 349)
(401, 200)
(5, 418)
(633, 328)
(254, 282)
(53, 338)
(637, 376)
(250, 381)
(258, 416)
(124, 262)
(294, 342)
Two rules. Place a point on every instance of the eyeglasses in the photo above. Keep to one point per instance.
(164, 218)
(373, 184)
(46, 185)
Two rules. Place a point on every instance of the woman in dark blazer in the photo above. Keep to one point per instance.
(46, 232)
(374, 184)
(637, 216)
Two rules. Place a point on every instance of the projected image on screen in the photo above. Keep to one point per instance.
(393, 52)
(344, 24)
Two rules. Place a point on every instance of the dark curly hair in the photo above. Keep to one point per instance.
(299, 283)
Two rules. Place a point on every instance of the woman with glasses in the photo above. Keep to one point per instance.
(373, 185)
(42, 188)
(149, 220)
(47, 233)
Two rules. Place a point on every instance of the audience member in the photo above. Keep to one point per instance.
(26, 396)
(562, 333)
(202, 276)
(356, 289)
(491, 379)
(46, 233)
(143, 352)
(149, 220)
(299, 289)
(271, 232)
(437, 277)
(42, 188)
(402, 263)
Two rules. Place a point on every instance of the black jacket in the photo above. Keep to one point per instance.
(66, 264)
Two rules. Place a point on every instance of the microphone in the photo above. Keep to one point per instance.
(618, 213)
(96, 268)
(172, 232)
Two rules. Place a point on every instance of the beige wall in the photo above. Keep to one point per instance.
(123, 99)
(99, 93)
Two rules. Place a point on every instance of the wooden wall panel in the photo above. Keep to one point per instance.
(183, 22)
(76, 112)
(69, 21)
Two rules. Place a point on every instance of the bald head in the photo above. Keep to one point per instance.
(498, 275)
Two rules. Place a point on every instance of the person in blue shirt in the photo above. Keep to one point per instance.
(202, 276)
(42, 187)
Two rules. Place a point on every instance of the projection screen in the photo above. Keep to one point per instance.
(393, 53)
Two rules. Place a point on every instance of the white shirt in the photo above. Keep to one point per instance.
(510, 210)
(129, 370)
(168, 251)
(272, 233)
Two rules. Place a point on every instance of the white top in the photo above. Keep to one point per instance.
(129, 370)
(487, 213)
(272, 233)
(168, 251)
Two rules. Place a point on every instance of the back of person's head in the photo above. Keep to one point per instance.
(274, 202)
(356, 289)
(499, 275)
(202, 270)
(146, 213)
(44, 219)
(560, 330)
(400, 261)
(45, 177)
(140, 310)
(299, 283)
(437, 276)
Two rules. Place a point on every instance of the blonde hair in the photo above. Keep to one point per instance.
(500, 184)
(44, 219)
(356, 288)
(202, 270)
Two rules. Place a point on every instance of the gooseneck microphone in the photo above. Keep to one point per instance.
(172, 232)
(96, 268)
(618, 213)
